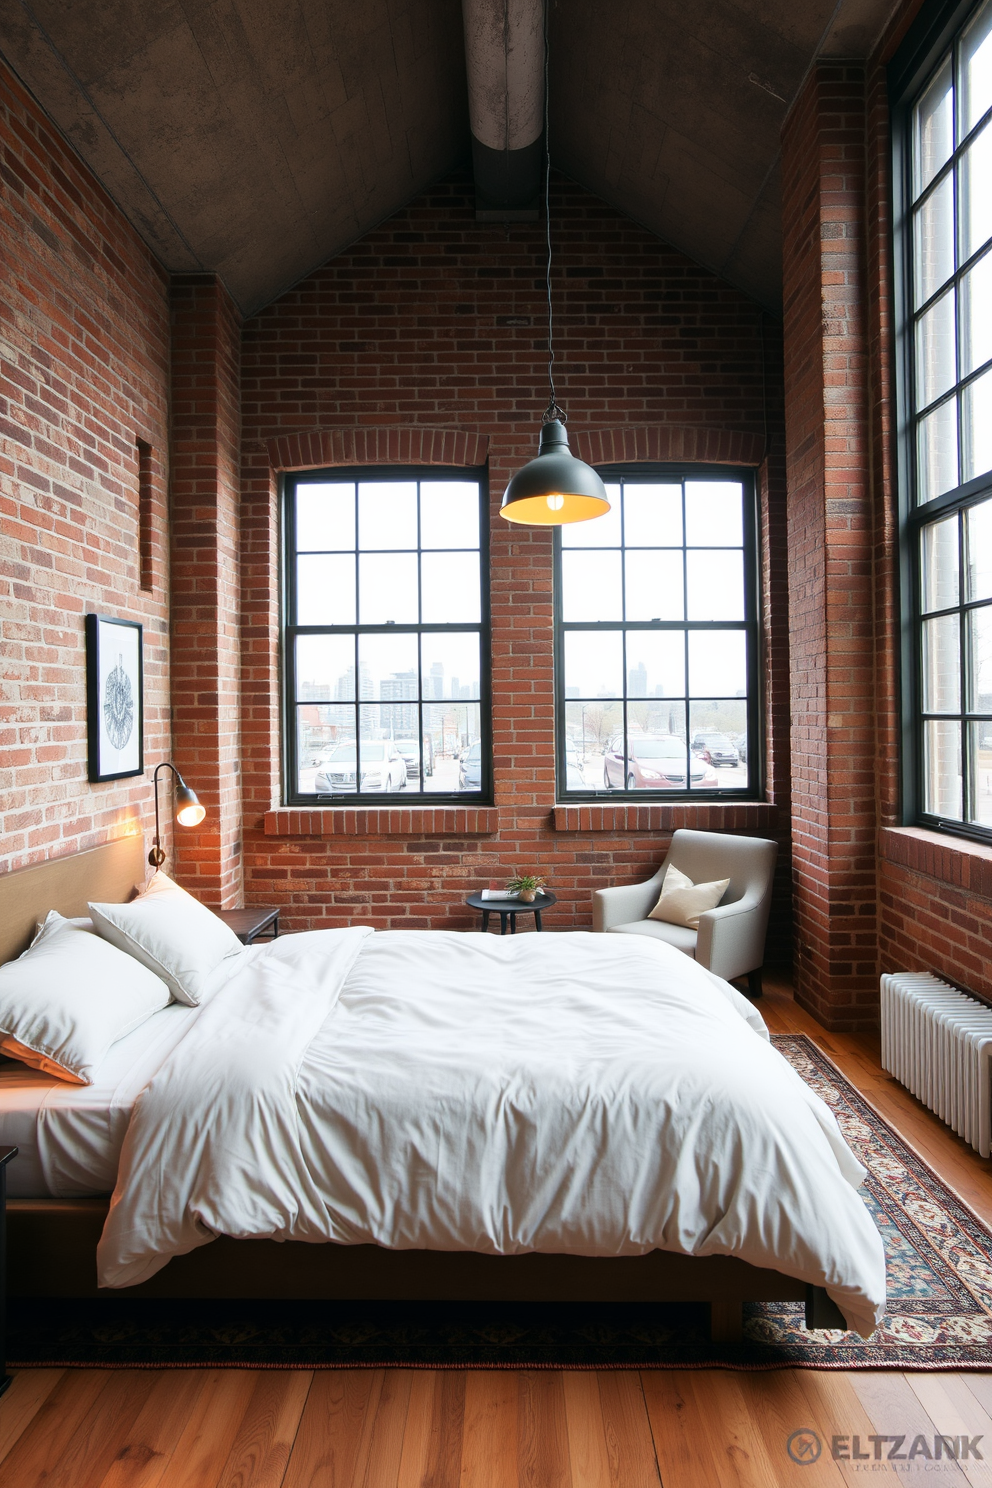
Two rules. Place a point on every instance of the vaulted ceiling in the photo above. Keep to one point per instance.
(257, 138)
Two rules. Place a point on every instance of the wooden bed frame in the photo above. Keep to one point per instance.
(52, 1242)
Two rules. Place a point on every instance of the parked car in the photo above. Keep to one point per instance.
(383, 768)
(410, 750)
(716, 748)
(653, 762)
(470, 767)
(573, 769)
(740, 743)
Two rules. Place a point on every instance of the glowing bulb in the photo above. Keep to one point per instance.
(191, 816)
(555, 503)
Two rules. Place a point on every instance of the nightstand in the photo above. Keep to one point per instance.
(6, 1153)
(248, 924)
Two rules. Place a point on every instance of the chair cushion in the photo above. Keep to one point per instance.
(676, 935)
(682, 902)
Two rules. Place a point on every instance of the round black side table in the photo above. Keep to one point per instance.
(508, 909)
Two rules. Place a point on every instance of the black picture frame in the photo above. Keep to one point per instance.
(115, 714)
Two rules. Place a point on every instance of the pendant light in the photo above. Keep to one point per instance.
(554, 488)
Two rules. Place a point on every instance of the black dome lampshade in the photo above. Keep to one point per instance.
(554, 488)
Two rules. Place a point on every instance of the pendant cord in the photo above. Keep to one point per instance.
(552, 411)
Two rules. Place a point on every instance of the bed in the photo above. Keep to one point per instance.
(406, 1201)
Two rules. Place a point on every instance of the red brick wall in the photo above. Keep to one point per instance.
(84, 316)
(830, 548)
(205, 581)
(399, 336)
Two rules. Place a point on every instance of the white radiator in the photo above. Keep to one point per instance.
(937, 1041)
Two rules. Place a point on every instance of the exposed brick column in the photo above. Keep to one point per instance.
(205, 580)
(834, 761)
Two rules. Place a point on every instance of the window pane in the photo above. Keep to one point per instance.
(449, 514)
(933, 129)
(976, 315)
(589, 727)
(450, 588)
(387, 588)
(453, 748)
(655, 583)
(593, 663)
(714, 514)
(934, 240)
(980, 770)
(938, 451)
(942, 768)
(717, 663)
(320, 732)
(325, 516)
(978, 550)
(940, 564)
(655, 759)
(976, 70)
(451, 666)
(942, 665)
(325, 668)
(715, 585)
(600, 532)
(976, 430)
(935, 361)
(714, 728)
(652, 516)
(974, 175)
(325, 590)
(655, 663)
(980, 661)
(387, 666)
(381, 769)
(591, 588)
(387, 514)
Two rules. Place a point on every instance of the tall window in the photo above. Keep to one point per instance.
(656, 656)
(386, 637)
(944, 216)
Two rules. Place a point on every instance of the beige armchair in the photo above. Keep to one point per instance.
(730, 940)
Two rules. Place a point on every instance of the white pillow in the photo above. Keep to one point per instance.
(682, 901)
(69, 997)
(171, 933)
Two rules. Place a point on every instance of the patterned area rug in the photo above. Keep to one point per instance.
(940, 1302)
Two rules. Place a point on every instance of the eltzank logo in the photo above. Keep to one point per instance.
(805, 1447)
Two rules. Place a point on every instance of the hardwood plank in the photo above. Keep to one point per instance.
(629, 1443)
(780, 1405)
(23, 1399)
(684, 1451)
(588, 1454)
(265, 1438)
(542, 1440)
(957, 1412)
(77, 1433)
(334, 1429)
(145, 1458)
(833, 1409)
(489, 1440)
(735, 1439)
(894, 1408)
(381, 1465)
(206, 1437)
(432, 1437)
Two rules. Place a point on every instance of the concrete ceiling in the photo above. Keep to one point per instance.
(258, 138)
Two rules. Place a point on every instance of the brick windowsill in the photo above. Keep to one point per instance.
(950, 860)
(365, 821)
(706, 816)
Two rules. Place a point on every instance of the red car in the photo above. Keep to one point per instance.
(654, 762)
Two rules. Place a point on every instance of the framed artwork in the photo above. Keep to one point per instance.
(114, 698)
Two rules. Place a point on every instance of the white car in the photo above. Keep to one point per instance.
(383, 768)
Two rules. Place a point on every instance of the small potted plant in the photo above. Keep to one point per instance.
(525, 886)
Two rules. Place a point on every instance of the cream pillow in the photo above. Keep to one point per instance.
(172, 934)
(682, 901)
(69, 997)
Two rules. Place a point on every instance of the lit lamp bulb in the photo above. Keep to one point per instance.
(189, 812)
(555, 503)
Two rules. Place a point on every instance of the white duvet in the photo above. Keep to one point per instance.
(595, 1094)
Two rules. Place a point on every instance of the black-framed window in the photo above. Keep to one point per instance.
(942, 84)
(656, 638)
(386, 636)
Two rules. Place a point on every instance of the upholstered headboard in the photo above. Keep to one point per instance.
(108, 873)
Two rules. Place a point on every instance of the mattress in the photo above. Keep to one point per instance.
(69, 1136)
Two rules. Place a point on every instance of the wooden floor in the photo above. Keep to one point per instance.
(203, 1428)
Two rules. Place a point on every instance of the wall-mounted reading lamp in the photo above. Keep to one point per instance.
(189, 812)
